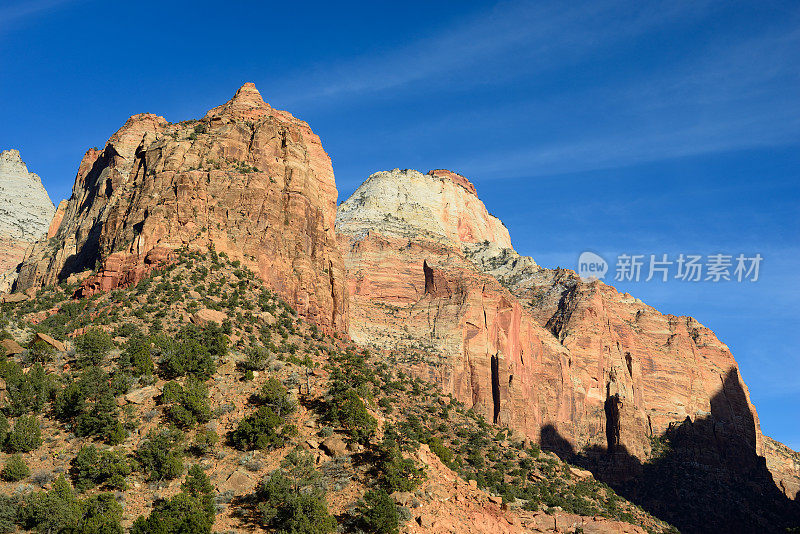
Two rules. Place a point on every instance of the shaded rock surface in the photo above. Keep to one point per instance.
(247, 180)
(784, 464)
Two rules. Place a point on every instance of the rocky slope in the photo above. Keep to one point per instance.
(575, 366)
(25, 212)
(434, 484)
(246, 179)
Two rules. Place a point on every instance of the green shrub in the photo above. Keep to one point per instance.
(4, 428)
(440, 450)
(25, 435)
(259, 430)
(378, 513)
(40, 351)
(15, 469)
(27, 392)
(290, 501)
(136, 358)
(187, 405)
(396, 472)
(346, 409)
(90, 406)
(92, 467)
(189, 512)
(160, 456)
(9, 507)
(60, 510)
(386, 404)
(57, 510)
(194, 351)
(93, 346)
(273, 394)
(257, 359)
(102, 514)
(204, 441)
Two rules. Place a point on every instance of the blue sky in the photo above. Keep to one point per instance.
(617, 127)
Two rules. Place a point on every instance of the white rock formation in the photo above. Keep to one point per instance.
(25, 212)
(410, 204)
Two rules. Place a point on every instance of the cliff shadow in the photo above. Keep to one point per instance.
(99, 186)
(704, 475)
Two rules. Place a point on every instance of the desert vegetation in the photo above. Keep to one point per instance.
(159, 419)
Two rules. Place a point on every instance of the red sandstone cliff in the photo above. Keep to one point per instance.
(575, 365)
(247, 180)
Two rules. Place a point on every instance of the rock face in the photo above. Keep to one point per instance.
(784, 463)
(25, 212)
(574, 365)
(247, 180)
(411, 285)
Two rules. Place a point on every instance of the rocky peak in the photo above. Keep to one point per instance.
(246, 103)
(25, 212)
(246, 180)
(248, 96)
(439, 206)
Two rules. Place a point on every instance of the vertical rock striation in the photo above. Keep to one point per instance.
(247, 180)
(25, 212)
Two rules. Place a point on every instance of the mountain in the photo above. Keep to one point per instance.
(246, 180)
(598, 376)
(413, 337)
(25, 212)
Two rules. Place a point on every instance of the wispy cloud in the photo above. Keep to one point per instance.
(728, 94)
(610, 149)
(534, 34)
(15, 13)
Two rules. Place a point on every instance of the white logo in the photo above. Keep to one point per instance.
(591, 266)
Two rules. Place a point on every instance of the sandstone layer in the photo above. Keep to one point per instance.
(528, 347)
(574, 365)
(784, 463)
(246, 180)
(25, 212)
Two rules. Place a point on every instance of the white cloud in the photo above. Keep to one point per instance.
(534, 34)
(14, 13)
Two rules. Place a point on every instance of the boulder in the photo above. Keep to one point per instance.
(334, 446)
(15, 298)
(580, 473)
(239, 482)
(59, 346)
(205, 315)
(9, 347)
(142, 395)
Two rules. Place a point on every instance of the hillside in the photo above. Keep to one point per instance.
(200, 365)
